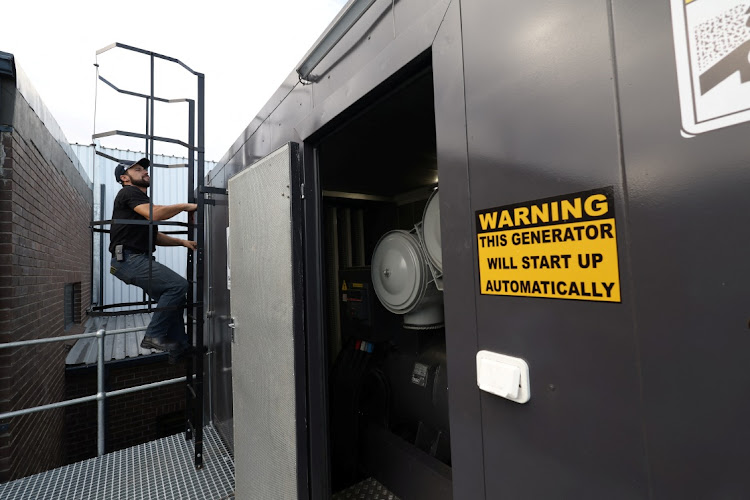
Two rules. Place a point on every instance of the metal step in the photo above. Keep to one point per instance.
(369, 489)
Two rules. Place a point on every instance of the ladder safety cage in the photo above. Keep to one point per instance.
(194, 366)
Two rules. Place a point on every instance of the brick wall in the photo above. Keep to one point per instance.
(45, 242)
(132, 418)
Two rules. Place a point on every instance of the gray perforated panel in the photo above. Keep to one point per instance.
(263, 351)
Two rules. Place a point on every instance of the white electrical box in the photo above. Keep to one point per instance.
(504, 376)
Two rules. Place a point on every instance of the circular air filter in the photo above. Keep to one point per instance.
(399, 273)
(431, 231)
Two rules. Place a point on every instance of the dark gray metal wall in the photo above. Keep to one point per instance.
(458, 262)
(218, 336)
(688, 220)
(648, 393)
(642, 399)
(541, 122)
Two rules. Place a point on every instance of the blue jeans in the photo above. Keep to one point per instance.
(167, 287)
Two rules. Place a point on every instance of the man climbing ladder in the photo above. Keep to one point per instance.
(131, 257)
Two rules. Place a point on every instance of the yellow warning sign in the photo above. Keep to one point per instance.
(343, 286)
(559, 248)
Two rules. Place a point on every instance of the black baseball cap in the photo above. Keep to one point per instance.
(124, 165)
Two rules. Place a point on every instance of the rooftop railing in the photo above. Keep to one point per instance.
(100, 396)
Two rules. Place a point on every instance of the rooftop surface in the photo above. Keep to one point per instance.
(160, 469)
(116, 347)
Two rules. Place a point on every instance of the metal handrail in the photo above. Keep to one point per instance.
(100, 395)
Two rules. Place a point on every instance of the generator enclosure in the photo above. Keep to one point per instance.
(592, 163)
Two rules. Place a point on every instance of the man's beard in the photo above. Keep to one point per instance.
(140, 182)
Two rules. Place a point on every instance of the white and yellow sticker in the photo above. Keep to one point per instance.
(712, 52)
(559, 248)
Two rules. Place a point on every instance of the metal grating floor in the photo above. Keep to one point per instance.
(369, 489)
(161, 469)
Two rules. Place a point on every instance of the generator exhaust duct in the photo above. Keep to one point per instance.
(405, 276)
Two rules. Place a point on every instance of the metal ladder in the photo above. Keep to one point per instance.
(194, 366)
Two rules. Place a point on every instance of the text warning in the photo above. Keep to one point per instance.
(558, 248)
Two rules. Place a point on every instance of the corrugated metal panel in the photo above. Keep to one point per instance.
(116, 347)
(170, 185)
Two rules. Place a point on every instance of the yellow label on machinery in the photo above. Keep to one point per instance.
(559, 248)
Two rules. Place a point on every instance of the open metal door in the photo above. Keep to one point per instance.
(265, 243)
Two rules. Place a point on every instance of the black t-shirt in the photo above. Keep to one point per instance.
(132, 236)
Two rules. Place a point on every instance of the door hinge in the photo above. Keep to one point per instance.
(231, 328)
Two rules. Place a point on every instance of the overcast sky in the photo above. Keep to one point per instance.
(245, 49)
